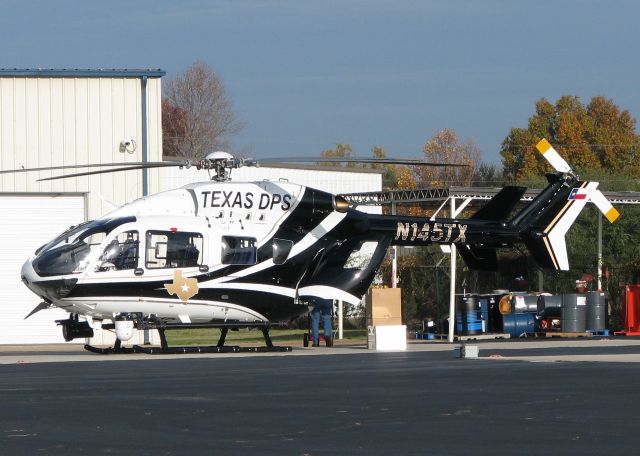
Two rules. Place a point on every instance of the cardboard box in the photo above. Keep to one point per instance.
(384, 307)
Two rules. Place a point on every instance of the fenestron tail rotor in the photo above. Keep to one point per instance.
(594, 195)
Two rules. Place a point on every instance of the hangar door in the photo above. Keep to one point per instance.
(28, 222)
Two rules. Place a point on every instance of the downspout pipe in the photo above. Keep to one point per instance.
(145, 151)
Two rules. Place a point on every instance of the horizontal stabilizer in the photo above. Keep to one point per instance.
(501, 205)
(479, 258)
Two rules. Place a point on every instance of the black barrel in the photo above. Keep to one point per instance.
(495, 317)
(574, 312)
(596, 310)
(546, 301)
(468, 320)
(489, 306)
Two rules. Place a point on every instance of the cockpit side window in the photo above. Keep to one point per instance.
(121, 253)
(72, 251)
(173, 249)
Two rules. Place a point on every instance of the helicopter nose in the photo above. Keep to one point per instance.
(47, 289)
(29, 275)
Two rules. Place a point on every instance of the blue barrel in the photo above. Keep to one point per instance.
(518, 324)
(468, 320)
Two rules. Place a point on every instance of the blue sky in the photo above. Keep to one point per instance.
(305, 75)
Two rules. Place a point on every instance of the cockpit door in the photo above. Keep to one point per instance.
(120, 256)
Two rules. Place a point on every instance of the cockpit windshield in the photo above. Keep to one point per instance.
(71, 252)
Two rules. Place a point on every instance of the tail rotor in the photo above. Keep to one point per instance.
(594, 195)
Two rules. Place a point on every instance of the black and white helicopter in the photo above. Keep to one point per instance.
(240, 254)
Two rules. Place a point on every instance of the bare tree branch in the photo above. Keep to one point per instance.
(197, 113)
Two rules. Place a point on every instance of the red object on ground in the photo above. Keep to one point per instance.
(630, 304)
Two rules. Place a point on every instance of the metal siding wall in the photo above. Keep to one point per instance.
(31, 129)
(56, 121)
(56, 131)
(68, 128)
(6, 130)
(81, 115)
(44, 131)
(19, 131)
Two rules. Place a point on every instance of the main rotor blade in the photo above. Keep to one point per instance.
(382, 161)
(115, 170)
(89, 165)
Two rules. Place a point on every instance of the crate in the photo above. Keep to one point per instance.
(384, 307)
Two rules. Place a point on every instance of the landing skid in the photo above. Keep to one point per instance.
(116, 349)
(164, 348)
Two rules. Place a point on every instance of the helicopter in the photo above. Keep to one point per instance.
(231, 254)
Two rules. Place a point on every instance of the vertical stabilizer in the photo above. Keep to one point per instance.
(545, 238)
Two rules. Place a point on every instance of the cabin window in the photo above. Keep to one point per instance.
(239, 250)
(173, 249)
(121, 253)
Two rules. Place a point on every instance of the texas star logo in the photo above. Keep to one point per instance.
(182, 287)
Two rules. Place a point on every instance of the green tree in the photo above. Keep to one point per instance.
(598, 136)
(340, 151)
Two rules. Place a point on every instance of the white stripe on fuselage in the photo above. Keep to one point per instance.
(329, 223)
(326, 292)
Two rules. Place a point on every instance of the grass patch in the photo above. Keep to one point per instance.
(209, 336)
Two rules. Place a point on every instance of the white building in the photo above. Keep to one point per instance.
(66, 117)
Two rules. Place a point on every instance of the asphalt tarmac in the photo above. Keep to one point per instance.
(561, 397)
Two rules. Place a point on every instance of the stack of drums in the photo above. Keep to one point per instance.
(574, 312)
(518, 313)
